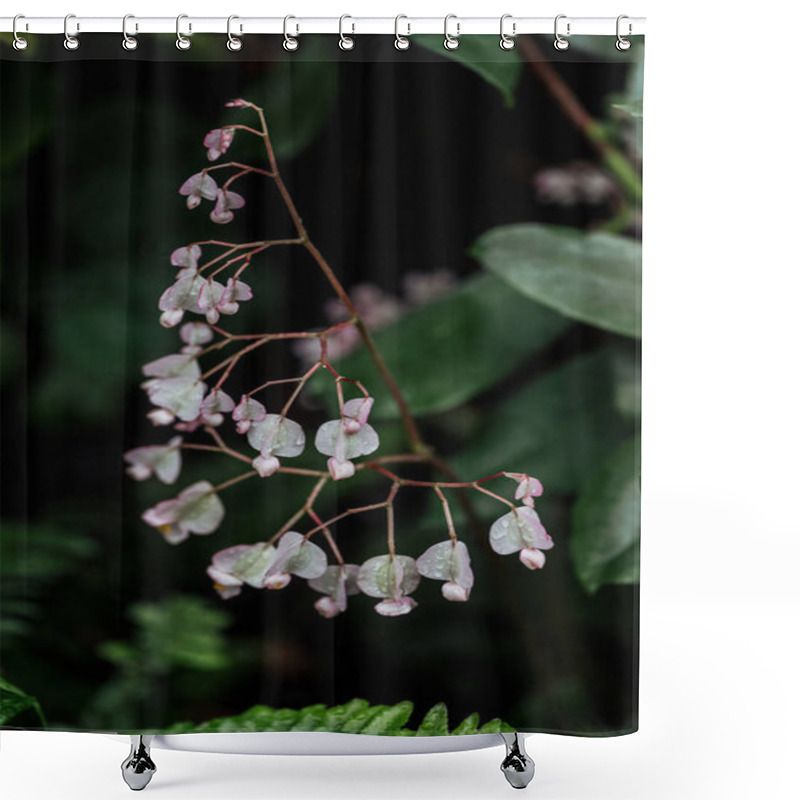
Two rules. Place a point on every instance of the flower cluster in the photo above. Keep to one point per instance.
(190, 397)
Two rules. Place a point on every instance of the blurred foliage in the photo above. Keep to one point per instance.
(16, 706)
(500, 68)
(605, 538)
(455, 347)
(171, 638)
(32, 559)
(357, 716)
(592, 277)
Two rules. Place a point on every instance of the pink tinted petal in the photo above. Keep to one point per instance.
(172, 366)
(532, 558)
(196, 333)
(359, 408)
(139, 472)
(340, 470)
(169, 319)
(396, 608)
(452, 591)
(160, 416)
(266, 465)
(217, 142)
(277, 580)
(238, 103)
(186, 256)
(327, 607)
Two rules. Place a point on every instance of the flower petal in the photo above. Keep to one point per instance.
(276, 435)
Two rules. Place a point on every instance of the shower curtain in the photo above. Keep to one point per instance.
(320, 385)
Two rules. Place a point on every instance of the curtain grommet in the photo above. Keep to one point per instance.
(20, 43)
(182, 42)
(290, 43)
(346, 42)
(71, 42)
(401, 42)
(622, 44)
(234, 43)
(129, 42)
(560, 42)
(450, 41)
(507, 42)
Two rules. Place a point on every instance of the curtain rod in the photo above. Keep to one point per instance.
(294, 25)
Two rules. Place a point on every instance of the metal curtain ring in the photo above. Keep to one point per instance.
(129, 42)
(19, 42)
(622, 43)
(450, 41)
(182, 43)
(346, 42)
(71, 42)
(234, 43)
(561, 43)
(506, 41)
(289, 42)
(401, 42)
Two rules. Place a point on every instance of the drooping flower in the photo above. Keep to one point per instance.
(520, 530)
(198, 187)
(336, 583)
(235, 292)
(181, 397)
(218, 141)
(227, 201)
(187, 258)
(197, 509)
(247, 412)
(214, 405)
(392, 578)
(190, 292)
(238, 103)
(347, 438)
(263, 565)
(274, 436)
(175, 365)
(448, 561)
(527, 487)
(195, 334)
(162, 460)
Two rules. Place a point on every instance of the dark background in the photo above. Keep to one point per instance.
(408, 161)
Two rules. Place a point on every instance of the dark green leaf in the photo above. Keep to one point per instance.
(559, 427)
(449, 351)
(594, 277)
(14, 702)
(481, 54)
(605, 531)
(467, 726)
(492, 726)
(390, 720)
(336, 717)
(310, 718)
(435, 722)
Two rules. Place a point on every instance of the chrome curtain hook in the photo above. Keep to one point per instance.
(289, 42)
(450, 41)
(622, 43)
(129, 42)
(19, 42)
(234, 43)
(182, 43)
(346, 42)
(71, 42)
(507, 42)
(561, 43)
(401, 42)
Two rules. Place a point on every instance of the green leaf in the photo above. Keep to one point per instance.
(467, 726)
(14, 702)
(449, 351)
(310, 718)
(390, 720)
(336, 717)
(605, 526)
(298, 96)
(594, 278)
(481, 54)
(569, 423)
(492, 726)
(434, 722)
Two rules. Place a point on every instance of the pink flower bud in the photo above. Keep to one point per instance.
(452, 591)
(218, 141)
(226, 202)
(531, 558)
(341, 469)
(238, 103)
(160, 416)
(266, 465)
(327, 607)
(277, 580)
(351, 425)
(170, 318)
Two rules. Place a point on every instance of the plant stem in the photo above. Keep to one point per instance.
(572, 107)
